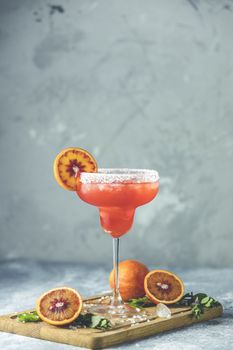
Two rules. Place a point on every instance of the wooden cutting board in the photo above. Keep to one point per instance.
(98, 339)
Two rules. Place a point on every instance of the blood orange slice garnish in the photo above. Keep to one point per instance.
(162, 286)
(69, 163)
(59, 306)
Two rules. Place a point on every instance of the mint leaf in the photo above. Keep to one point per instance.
(95, 321)
(28, 317)
(200, 296)
(140, 303)
(91, 321)
(205, 300)
(197, 310)
(104, 324)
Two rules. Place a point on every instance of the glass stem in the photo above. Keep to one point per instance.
(116, 299)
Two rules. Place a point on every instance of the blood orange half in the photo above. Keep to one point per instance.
(163, 286)
(59, 306)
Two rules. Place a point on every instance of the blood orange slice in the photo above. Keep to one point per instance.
(162, 286)
(59, 306)
(69, 163)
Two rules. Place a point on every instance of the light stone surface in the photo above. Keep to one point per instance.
(23, 281)
(139, 84)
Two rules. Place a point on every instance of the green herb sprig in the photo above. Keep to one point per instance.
(198, 303)
(28, 317)
(86, 320)
(91, 321)
(140, 303)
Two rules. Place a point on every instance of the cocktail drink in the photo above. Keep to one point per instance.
(117, 193)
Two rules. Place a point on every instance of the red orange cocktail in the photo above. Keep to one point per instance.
(117, 193)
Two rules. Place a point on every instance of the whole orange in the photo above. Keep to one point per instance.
(131, 279)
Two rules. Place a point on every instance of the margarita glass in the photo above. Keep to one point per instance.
(117, 193)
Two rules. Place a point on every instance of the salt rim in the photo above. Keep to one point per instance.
(118, 175)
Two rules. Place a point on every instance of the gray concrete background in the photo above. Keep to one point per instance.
(138, 84)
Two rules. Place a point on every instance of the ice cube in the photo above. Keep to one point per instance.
(162, 311)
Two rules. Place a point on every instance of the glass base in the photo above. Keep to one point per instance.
(119, 311)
